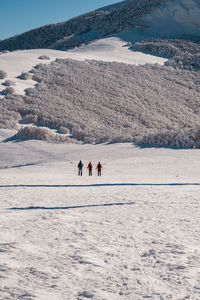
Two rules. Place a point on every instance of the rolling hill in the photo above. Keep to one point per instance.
(134, 76)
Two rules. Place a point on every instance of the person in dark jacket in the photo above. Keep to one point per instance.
(99, 168)
(80, 168)
(90, 166)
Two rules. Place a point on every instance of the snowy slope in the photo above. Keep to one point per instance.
(172, 19)
(112, 49)
(132, 234)
(169, 18)
(175, 18)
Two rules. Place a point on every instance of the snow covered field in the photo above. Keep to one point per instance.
(131, 234)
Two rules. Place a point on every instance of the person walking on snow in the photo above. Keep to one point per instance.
(90, 166)
(99, 167)
(80, 168)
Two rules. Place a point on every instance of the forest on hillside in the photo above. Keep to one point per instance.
(99, 102)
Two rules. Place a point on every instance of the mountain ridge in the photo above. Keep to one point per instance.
(142, 17)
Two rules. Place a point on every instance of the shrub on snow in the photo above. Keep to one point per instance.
(8, 119)
(181, 139)
(4, 51)
(29, 118)
(8, 91)
(3, 74)
(32, 71)
(38, 66)
(9, 83)
(8, 123)
(44, 57)
(24, 76)
(37, 78)
(64, 130)
(43, 134)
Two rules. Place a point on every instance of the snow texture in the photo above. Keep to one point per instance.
(131, 234)
(175, 18)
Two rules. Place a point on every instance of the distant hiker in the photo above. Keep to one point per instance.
(99, 168)
(90, 166)
(80, 168)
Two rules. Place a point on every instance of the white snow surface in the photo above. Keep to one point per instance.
(111, 49)
(173, 19)
(131, 234)
(176, 18)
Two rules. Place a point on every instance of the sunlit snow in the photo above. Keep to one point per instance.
(131, 234)
(111, 49)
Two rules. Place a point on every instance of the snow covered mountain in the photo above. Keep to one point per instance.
(132, 20)
(110, 88)
(132, 233)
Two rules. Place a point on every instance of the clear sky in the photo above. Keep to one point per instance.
(18, 16)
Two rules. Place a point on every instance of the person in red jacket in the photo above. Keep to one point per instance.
(99, 168)
(90, 166)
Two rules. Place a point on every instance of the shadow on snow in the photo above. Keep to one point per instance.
(18, 166)
(69, 207)
(95, 185)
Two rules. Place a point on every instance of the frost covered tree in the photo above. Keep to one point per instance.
(43, 134)
(44, 57)
(8, 91)
(24, 76)
(184, 54)
(98, 101)
(9, 83)
(3, 74)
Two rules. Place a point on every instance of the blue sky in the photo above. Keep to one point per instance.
(18, 16)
